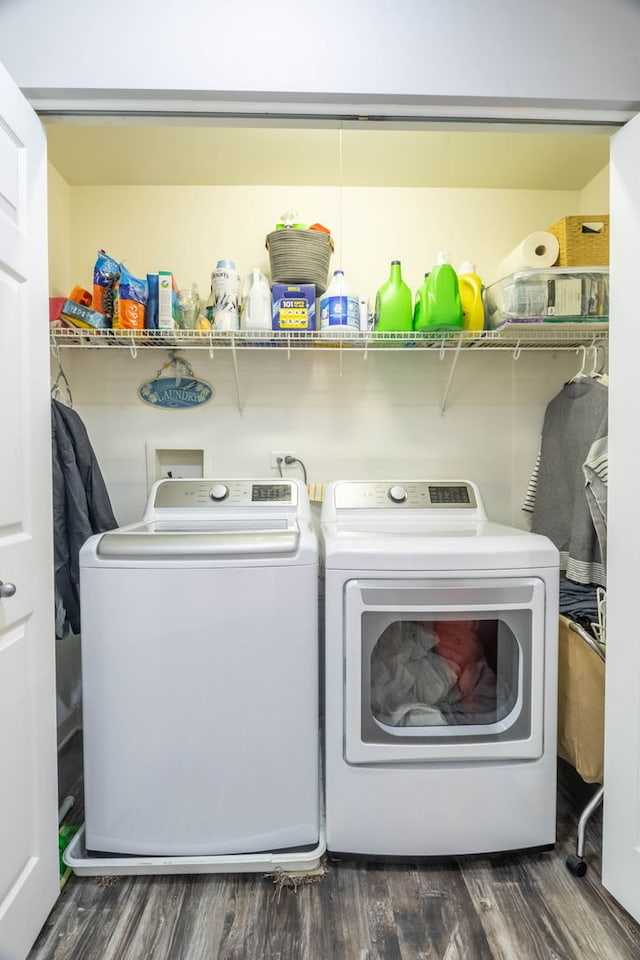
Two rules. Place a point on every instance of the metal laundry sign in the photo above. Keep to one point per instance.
(181, 391)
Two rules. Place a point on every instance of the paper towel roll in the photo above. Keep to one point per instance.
(537, 251)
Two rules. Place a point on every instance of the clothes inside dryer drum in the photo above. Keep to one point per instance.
(426, 673)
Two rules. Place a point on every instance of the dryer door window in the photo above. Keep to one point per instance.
(447, 673)
(443, 670)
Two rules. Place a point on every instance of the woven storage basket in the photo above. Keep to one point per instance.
(300, 256)
(580, 246)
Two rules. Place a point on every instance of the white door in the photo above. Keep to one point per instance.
(621, 841)
(29, 882)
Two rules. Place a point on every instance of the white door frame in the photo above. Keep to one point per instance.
(621, 834)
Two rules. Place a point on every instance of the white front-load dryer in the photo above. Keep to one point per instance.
(440, 673)
(200, 673)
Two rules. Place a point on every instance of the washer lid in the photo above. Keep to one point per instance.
(203, 539)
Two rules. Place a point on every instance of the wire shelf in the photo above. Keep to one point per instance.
(514, 336)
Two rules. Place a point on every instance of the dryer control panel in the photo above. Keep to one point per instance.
(409, 494)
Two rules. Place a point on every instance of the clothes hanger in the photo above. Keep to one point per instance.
(59, 382)
(598, 370)
(580, 375)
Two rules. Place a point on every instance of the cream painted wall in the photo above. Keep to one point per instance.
(344, 415)
(594, 198)
(187, 229)
(68, 693)
(379, 418)
(60, 233)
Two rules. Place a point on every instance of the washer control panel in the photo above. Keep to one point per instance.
(191, 494)
(419, 494)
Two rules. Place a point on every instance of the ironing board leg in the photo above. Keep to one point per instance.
(576, 864)
(596, 799)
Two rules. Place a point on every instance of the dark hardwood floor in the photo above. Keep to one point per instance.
(521, 907)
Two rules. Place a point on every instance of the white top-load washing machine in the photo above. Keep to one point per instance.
(200, 673)
(440, 673)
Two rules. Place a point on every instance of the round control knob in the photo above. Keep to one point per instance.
(219, 491)
(397, 494)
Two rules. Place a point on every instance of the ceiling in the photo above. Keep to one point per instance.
(123, 152)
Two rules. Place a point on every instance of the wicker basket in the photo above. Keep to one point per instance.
(300, 256)
(584, 241)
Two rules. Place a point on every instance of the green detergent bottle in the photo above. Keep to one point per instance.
(418, 308)
(394, 303)
(441, 308)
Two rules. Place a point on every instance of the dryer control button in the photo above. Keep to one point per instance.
(397, 494)
(219, 491)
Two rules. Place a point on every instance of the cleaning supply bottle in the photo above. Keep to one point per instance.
(208, 307)
(418, 306)
(225, 283)
(471, 297)
(255, 313)
(441, 308)
(189, 302)
(394, 303)
(339, 307)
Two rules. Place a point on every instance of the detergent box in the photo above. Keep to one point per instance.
(81, 316)
(167, 301)
(294, 306)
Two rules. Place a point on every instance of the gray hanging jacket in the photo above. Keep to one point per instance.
(81, 504)
(575, 426)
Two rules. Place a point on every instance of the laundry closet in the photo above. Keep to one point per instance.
(345, 412)
(396, 409)
(159, 195)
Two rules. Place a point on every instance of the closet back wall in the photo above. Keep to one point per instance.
(187, 229)
(375, 417)
(381, 419)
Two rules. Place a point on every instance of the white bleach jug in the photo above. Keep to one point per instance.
(256, 302)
